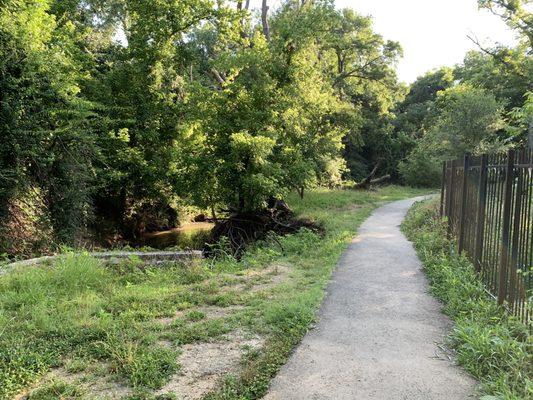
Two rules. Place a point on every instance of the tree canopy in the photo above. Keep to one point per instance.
(115, 113)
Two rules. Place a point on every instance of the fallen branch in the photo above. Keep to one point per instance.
(379, 180)
(365, 183)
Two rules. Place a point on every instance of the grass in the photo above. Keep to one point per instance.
(494, 347)
(106, 322)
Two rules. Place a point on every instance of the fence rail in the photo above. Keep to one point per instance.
(488, 201)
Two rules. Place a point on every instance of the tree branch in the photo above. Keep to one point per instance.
(498, 57)
(218, 77)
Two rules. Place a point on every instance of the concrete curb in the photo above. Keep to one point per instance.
(154, 257)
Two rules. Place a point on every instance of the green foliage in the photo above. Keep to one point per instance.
(194, 105)
(468, 121)
(515, 13)
(463, 119)
(366, 80)
(507, 82)
(46, 144)
(492, 346)
(142, 366)
(421, 168)
(84, 308)
(522, 119)
(116, 113)
(130, 320)
(479, 106)
(415, 111)
(56, 390)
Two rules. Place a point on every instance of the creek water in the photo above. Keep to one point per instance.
(190, 235)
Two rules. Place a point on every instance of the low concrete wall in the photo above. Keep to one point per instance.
(115, 256)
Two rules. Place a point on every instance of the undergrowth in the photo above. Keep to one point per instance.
(491, 345)
(81, 316)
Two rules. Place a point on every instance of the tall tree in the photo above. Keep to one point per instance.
(47, 143)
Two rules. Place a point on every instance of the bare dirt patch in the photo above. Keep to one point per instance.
(94, 384)
(350, 207)
(204, 365)
(209, 312)
(260, 280)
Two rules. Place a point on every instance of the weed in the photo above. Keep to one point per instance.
(56, 390)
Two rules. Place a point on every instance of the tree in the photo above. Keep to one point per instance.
(490, 73)
(467, 120)
(265, 123)
(514, 13)
(142, 88)
(47, 144)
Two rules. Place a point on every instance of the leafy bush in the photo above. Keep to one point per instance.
(421, 169)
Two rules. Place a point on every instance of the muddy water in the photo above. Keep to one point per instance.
(190, 235)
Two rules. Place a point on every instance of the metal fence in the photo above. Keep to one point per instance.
(488, 201)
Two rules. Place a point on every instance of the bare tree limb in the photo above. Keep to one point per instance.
(365, 183)
(218, 77)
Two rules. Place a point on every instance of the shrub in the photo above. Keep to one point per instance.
(421, 169)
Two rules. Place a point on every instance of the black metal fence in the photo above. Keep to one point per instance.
(488, 201)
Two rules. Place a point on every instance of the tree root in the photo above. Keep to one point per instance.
(242, 229)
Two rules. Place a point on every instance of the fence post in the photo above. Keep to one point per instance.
(449, 206)
(480, 217)
(442, 188)
(507, 200)
(464, 204)
(516, 232)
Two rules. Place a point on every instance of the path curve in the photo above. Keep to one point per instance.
(378, 328)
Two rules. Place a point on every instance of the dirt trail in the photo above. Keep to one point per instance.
(379, 331)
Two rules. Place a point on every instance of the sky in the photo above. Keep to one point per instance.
(433, 33)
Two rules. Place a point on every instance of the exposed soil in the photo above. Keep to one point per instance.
(203, 365)
(260, 280)
(94, 383)
(210, 312)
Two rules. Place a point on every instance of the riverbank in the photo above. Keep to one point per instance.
(218, 329)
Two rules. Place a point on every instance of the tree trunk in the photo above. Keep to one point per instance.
(264, 19)
(213, 213)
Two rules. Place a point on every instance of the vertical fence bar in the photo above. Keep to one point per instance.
(442, 188)
(449, 208)
(507, 200)
(464, 204)
(448, 190)
(513, 281)
(480, 217)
